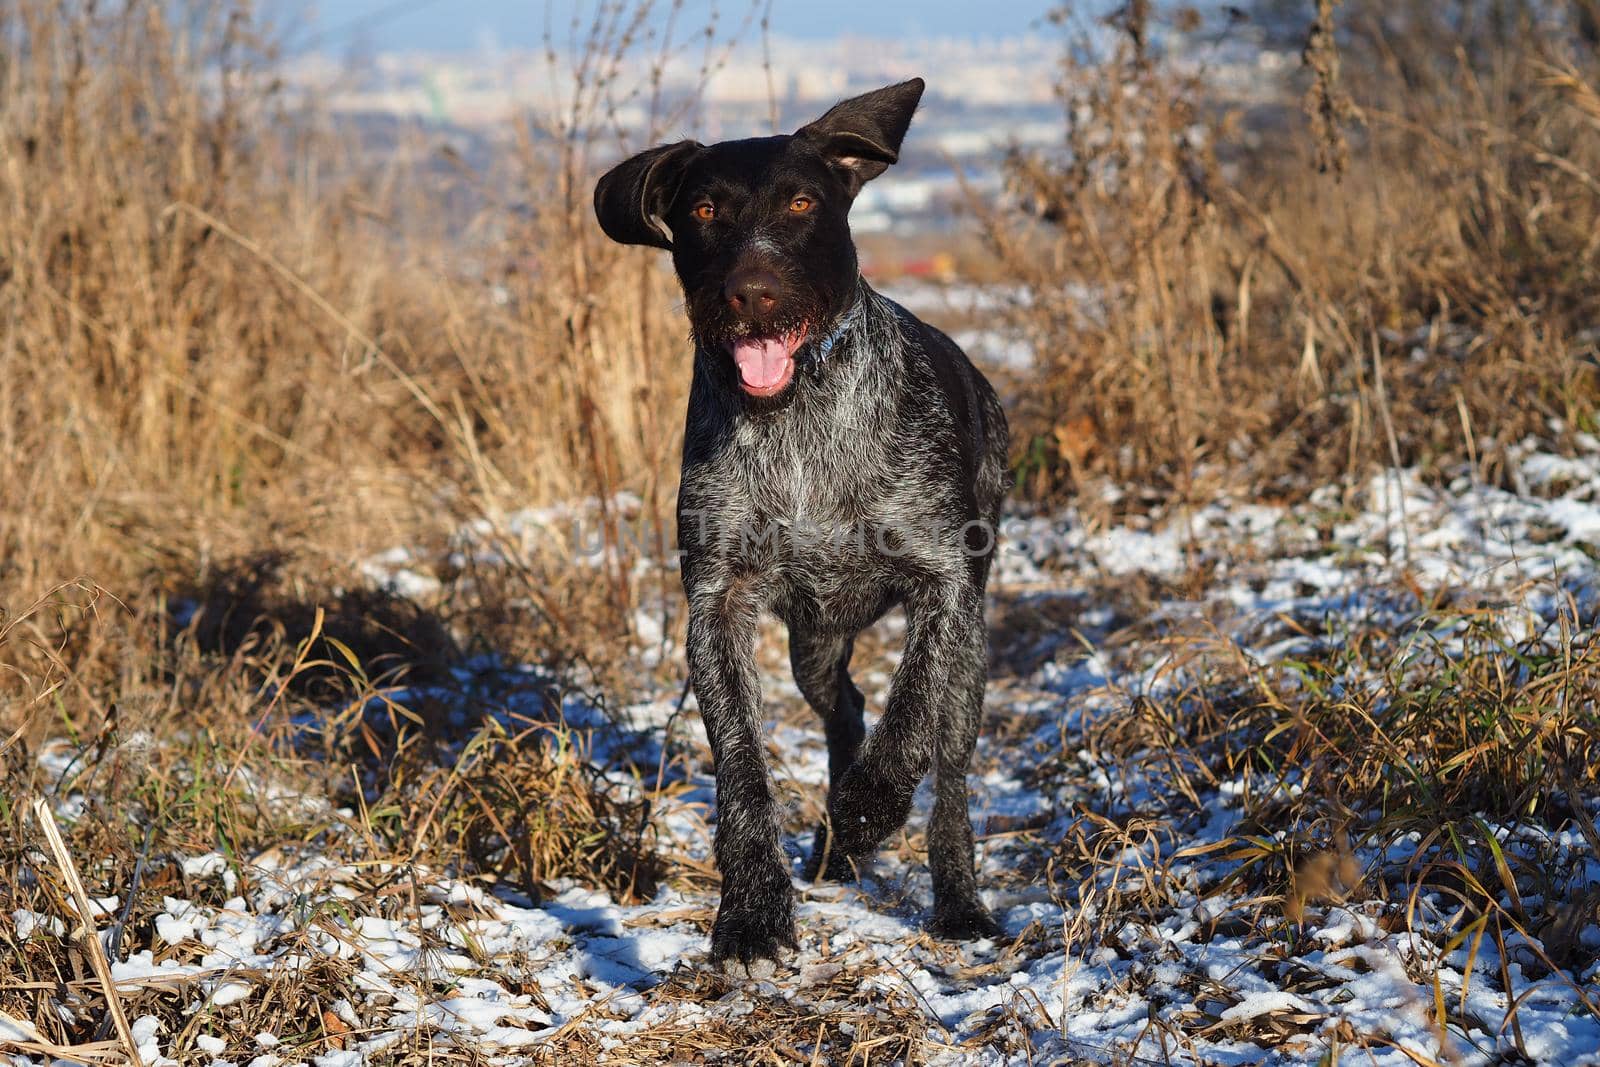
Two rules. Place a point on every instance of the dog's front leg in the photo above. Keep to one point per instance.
(873, 798)
(755, 920)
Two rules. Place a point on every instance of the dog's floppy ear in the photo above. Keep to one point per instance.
(632, 198)
(861, 136)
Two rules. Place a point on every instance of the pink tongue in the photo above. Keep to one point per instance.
(763, 363)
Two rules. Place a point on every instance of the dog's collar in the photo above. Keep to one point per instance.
(823, 348)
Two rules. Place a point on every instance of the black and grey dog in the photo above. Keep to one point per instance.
(840, 458)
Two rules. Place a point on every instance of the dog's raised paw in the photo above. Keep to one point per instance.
(866, 807)
(966, 921)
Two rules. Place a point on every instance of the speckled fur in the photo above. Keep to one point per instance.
(847, 499)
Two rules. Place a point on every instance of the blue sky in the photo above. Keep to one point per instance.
(338, 25)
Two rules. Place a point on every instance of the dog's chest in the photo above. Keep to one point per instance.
(784, 482)
(832, 514)
(800, 479)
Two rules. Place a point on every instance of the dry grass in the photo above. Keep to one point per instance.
(273, 753)
(1400, 771)
(226, 335)
(1423, 728)
(237, 357)
(1219, 303)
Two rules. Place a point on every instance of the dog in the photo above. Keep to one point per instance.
(841, 458)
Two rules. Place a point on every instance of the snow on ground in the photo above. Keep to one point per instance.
(457, 964)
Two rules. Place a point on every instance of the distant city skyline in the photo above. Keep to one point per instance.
(464, 25)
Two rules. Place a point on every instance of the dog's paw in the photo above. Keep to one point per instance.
(838, 869)
(865, 807)
(966, 920)
(752, 933)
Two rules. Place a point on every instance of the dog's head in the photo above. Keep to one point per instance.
(759, 229)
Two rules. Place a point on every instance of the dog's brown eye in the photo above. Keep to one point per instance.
(801, 204)
(705, 212)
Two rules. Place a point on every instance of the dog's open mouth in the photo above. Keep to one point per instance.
(766, 364)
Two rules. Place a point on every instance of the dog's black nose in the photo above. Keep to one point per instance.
(753, 294)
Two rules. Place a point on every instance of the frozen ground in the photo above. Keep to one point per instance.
(1201, 969)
